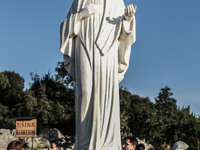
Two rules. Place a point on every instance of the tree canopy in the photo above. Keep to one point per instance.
(50, 98)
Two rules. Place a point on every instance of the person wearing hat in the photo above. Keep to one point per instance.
(180, 145)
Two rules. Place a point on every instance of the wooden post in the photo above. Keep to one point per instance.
(32, 143)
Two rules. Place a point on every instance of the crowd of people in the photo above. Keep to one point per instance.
(129, 143)
(18, 145)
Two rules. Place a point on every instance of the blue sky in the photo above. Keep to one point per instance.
(166, 51)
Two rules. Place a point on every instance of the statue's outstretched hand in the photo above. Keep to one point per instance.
(129, 12)
(88, 11)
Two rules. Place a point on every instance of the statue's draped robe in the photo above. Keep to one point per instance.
(96, 54)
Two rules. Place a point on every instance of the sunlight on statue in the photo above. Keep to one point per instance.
(96, 39)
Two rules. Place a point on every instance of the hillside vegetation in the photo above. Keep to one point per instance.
(50, 98)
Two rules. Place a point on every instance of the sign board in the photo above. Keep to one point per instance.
(26, 127)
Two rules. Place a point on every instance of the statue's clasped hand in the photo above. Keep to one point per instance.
(88, 11)
(129, 12)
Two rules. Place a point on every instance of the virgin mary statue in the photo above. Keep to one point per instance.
(96, 39)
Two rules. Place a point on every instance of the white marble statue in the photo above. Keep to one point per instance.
(96, 39)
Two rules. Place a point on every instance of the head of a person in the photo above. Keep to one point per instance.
(15, 145)
(130, 143)
(53, 144)
(140, 147)
(180, 145)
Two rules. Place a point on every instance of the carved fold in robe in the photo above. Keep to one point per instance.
(96, 54)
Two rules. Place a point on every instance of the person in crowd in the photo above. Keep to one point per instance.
(180, 145)
(140, 147)
(130, 143)
(53, 145)
(15, 145)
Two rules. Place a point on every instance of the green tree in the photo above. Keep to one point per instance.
(28, 108)
(44, 110)
(63, 76)
(166, 118)
(172, 124)
(51, 99)
(136, 114)
(7, 120)
(188, 128)
(4, 82)
(59, 97)
(125, 109)
(165, 97)
(143, 111)
(11, 88)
